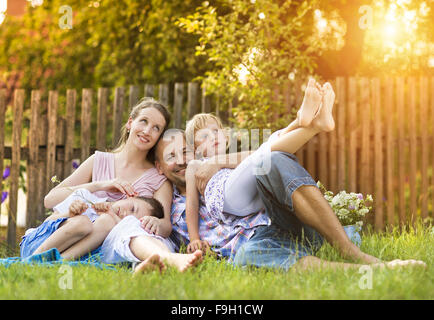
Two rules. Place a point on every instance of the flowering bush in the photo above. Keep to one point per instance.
(350, 208)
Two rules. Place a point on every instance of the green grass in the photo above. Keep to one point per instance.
(217, 280)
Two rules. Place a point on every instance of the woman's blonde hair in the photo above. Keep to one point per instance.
(198, 122)
(144, 103)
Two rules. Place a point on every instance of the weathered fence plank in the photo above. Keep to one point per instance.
(32, 161)
(101, 124)
(118, 109)
(178, 104)
(192, 99)
(423, 120)
(15, 166)
(390, 162)
(86, 116)
(51, 137)
(2, 136)
(413, 146)
(341, 132)
(352, 131)
(401, 149)
(378, 155)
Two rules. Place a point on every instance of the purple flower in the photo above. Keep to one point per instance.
(360, 196)
(351, 207)
(4, 195)
(6, 172)
(75, 164)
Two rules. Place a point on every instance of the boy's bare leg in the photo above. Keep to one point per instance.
(314, 263)
(71, 231)
(101, 228)
(144, 247)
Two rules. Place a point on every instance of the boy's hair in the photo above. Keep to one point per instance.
(197, 123)
(157, 209)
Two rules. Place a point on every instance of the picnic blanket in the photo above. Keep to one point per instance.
(52, 257)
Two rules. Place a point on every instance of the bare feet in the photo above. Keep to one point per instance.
(184, 261)
(310, 105)
(323, 120)
(152, 263)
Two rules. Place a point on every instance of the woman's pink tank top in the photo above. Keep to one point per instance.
(104, 169)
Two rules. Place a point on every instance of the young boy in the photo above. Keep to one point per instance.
(77, 217)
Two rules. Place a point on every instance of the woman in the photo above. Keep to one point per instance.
(126, 171)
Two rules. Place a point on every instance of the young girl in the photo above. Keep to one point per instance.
(125, 172)
(233, 191)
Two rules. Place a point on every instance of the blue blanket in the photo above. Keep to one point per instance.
(52, 257)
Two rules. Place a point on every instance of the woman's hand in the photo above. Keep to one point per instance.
(198, 245)
(151, 224)
(118, 185)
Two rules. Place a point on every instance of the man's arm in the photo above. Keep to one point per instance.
(209, 168)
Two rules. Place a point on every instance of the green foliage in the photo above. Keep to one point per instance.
(111, 43)
(255, 46)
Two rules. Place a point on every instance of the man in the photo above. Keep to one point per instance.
(293, 202)
(297, 217)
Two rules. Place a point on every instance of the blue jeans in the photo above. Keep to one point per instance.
(287, 239)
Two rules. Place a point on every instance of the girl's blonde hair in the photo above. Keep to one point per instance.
(144, 103)
(198, 122)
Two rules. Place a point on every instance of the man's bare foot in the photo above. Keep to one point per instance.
(323, 120)
(311, 102)
(184, 261)
(152, 263)
(394, 264)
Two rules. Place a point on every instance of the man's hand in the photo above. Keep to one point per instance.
(205, 172)
(198, 245)
(77, 208)
(151, 224)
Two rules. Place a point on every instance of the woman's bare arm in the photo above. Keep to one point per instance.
(165, 194)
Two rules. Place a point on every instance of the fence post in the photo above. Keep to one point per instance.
(32, 161)
(390, 162)
(101, 125)
(413, 147)
(51, 137)
(423, 115)
(206, 101)
(341, 89)
(163, 94)
(86, 116)
(353, 129)
(178, 104)
(366, 130)
(2, 136)
(192, 99)
(401, 123)
(15, 167)
(378, 154)
(149, 90)
(332, 153)
(133, 96)
(118, 109)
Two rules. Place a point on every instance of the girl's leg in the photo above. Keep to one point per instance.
(101, 228)
(72, 230)
(144, 247)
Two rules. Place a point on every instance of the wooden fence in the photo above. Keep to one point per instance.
(382, 145)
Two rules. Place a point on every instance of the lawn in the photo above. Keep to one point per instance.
(215, 279)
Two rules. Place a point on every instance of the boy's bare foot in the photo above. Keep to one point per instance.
(152, 263)
(185, 261)
(310, 105)
(323, 120)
